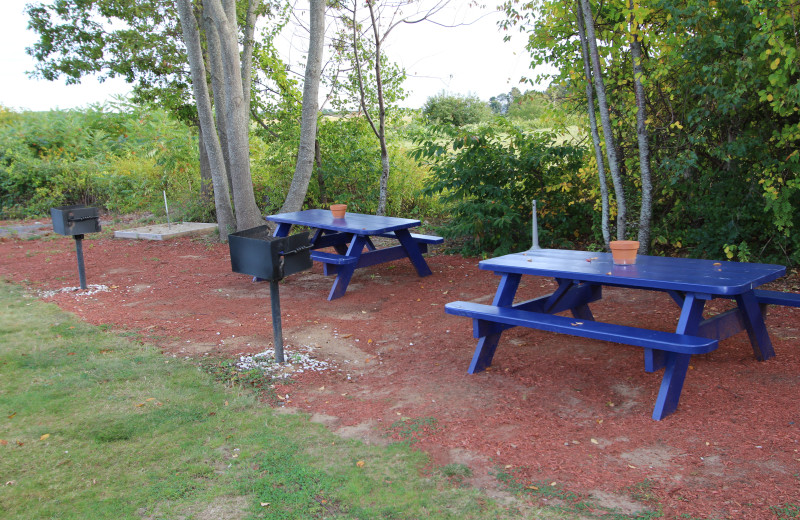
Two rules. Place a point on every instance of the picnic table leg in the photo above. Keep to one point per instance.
(753, 320)
(671, 385)
(413, 252)
(579, 306)
(282, 230)
(688, 323)
(487, 344)
(345, 272)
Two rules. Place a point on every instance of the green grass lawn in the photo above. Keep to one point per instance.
(93, 425)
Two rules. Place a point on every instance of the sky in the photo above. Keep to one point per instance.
(467, 60)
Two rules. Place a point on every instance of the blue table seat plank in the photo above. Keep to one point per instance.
(351, 238)
(677, 349)
(777, 298)
(581, 275)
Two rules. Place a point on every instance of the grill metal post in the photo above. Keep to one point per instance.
(277, 329)
(79, 254)
(256, 252)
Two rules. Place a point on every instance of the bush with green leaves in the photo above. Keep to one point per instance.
(349, 170)
(489, 176)
(121, 159)
(455, 109)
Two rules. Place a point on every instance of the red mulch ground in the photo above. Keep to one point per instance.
(552, 409)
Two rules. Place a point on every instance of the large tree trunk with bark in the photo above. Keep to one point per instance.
(214, 57)
(191, 37)
(308, 126)
(237, 115)
(206, 180)
(605, 119)
(598, 150)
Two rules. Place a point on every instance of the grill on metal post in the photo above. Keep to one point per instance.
(257, 253)
(76, 221)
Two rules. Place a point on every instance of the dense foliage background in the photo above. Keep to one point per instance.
(725, 155)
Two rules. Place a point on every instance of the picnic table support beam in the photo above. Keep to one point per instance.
(487, 344)
(676, 366)
(413, 252)
(754, 325)
(345, 272)
(688, 323)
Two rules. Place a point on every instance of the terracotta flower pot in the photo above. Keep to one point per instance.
(338, 210)
(624, 251)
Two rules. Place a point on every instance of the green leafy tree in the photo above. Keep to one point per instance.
(720, 99)
(170, 51)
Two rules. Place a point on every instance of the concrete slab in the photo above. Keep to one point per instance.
(167, 231)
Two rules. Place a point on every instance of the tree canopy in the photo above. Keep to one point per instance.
(722, 94)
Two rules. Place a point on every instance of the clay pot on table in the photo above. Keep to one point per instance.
(624, 251)
(338, 210)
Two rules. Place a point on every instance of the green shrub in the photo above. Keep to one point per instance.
(488, 178)
(350, 169)
(455, 109)
(122, 160)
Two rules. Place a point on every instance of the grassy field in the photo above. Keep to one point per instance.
(93, 425)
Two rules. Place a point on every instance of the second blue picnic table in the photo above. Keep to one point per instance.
(351, 238)
(581, 276)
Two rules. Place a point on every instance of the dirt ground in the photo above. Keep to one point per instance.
(556, 411)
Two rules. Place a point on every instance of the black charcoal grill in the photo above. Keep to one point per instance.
(257, 253)
(76, 221)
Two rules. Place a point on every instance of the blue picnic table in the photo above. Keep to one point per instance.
(351, 238)
(580, 278)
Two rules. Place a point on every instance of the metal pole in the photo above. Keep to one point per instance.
(79, 254)
(277, 333)
(166, 208)
(535, 228)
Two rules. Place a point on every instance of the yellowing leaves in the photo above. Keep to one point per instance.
(775, 63)
(150, 399)
(44, 437)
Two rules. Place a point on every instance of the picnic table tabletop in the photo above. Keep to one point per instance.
(720, 278)
(357, 223)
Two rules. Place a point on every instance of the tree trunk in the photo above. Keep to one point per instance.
(217, 90)
(206, 183)
(384, 184)
(308, 125)
(247, 49)
(237, 115)
(605, 119)
(323, 193)
(191, 38)
(598, 150)
(645, 214)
